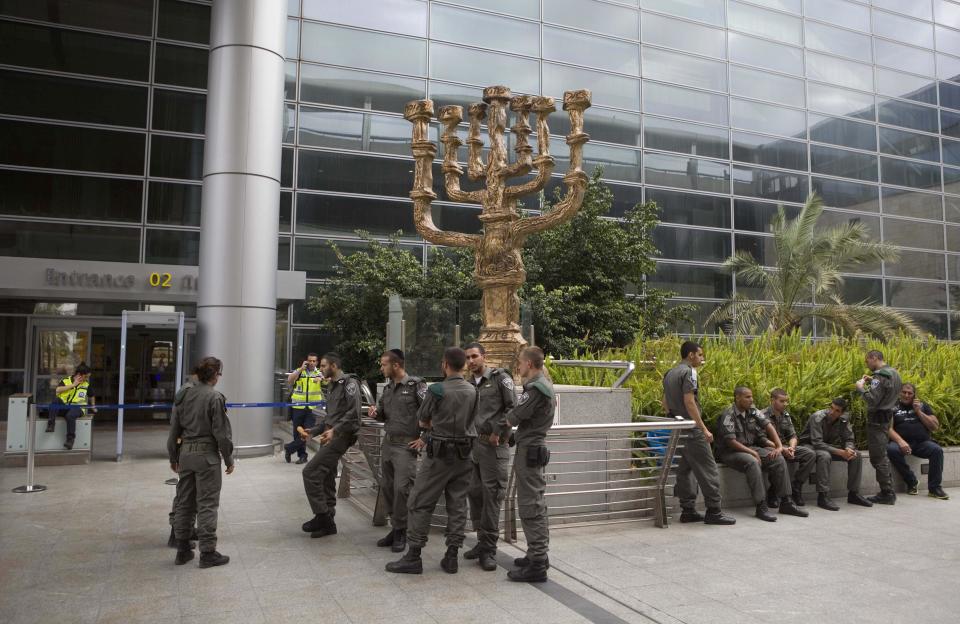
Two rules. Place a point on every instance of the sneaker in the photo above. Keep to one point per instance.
(938, 492)
(213, 559)
(883, 498)
(825, 502)
(690, 516)
(912, 489)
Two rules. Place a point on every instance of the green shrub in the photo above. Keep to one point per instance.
(812, 373)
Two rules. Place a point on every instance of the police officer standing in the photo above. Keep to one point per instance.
(338, 433)
(447, 414)
(200, 423)
(397, 406)
(533, 417)
(491, 455)
(306, 383)
(803, 458)
(697, 464)
(881, 393)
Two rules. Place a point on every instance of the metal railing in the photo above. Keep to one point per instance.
(628, 367)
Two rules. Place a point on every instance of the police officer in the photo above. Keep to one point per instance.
(447, 414)
(881, 393)
(802, 458)
(533, 417)
(829, 434)
(172, 541)
(742, 440)
(200, 422)
(491, 456)
(306, 382)
(397, 406)
(338, 433)
(697, 464)
(72, 392)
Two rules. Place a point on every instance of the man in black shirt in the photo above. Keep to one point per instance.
(913, 420)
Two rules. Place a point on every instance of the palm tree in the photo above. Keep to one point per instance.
(806, 282)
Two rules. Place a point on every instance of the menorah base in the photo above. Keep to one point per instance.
(502, 346)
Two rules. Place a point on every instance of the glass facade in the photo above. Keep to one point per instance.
(716, 109)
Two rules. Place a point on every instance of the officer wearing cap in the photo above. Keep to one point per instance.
(881, 393)
(397, 407)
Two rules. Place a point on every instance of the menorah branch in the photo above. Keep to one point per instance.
(451, 116)
(543, 162)
(476, 168)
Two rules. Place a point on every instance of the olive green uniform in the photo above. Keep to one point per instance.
(495, 395)
(804, 458)
(748, 428)
(533, 417)
(823, 436)
(882, 397)
(397, 406)
(448, 410)
(200, 422)
(343, 416)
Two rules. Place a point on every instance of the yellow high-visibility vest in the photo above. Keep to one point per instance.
(74, 396)
(307, 389)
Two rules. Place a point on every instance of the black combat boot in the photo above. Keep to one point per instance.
(690, 515)
(184, 552)
(212, 559)
(399, 541)
(797, 495)
(535, 572)
(449, 562)
(763, 512)
(825, 502)
(854, 498)
(172, 540)
(386, 540)
(327, 526)
(715, 516)
(473, 553)
(883, 498)
(314, 524)
(69, 443)
(773, 501)
(50, 427)
(410, 563)
(789, 509)
(522, 562)
(488, 561)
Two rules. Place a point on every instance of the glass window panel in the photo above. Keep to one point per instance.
(286, 167)
(948, 67)
(687, 281)
(608, 90)
(902, 57)
(907, 173)
(757, 21)
(903, 29)
(680, 136)
(953, 244)
(444, 94)
(324, 214)
(344, 87)
(951, 206)
(843, 163)
(64, 147)
(906, 86)
(686, 173)
(907, 115)
(839, 71)
(64, 196)
(766, 54)
(915, 9)
(283, 253)
(767, 184)
(763, 85)
(353, 173)
(290, 80)
(843, 132)
(72, 51)
(358, 48)
(861, 289)
(176, 157)
(605, 125)
(126, 16)
(179, 111)
(838, 41)
(710, 11)
(618, 163)
(286, 211)
(483, 68)
(24, 239)
(13, 332)
(773, 152)
(407, 17)
(946, 12)
(171, 203)
(691, 209)
(521, 8)
(183, 21)
(951, 152)
(293, 7)
(682, 35)
(951, 180)
(661, 99)
(913, 294)
(766, 118)
(841, 102)
(757, 216)
(911, 204)
(692, 244)
(680, 68)
(177, 65)
(583, 49)
(464, 219)
(173, 247)
(839, 12)
(792, 6)
(763, 250)
(596, 16)
(359, 131)
(483, 30)
(293, 39)
(948, 40)
(935, 324)
(909, 144)
(53, 97)
(832, 218)
(950, 95)
(289, 128)
(317, 258)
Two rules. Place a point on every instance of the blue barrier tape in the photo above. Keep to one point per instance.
(168, 406)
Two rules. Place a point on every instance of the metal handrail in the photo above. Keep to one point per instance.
(613, 364)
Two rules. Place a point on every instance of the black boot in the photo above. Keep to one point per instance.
(449, 562)
(883, 498)
(522, 562)
(184, 552)
(715, 516)
(327, 527)
(69, 443)
(854, 498)
(473, 553)
(773, 501)
(312, 525)
(50, 427)
(690, 515)
(172, 540)
(797, 495)
(386, 540)
(789, 509)
(763, 512)
(488, 561)
(399, 541)
(410, 563)
(824, 502)
(213, 559)
(535, 572)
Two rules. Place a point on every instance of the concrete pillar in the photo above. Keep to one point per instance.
(236, 313)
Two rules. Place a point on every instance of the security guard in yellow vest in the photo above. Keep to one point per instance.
(306, 383)
(72, 391)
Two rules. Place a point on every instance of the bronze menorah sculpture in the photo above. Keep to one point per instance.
(498, 269)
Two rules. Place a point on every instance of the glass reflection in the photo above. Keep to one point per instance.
(903, 29)
(909, 144)
(766, 54)
(344, 87)
(710, 11)
(838, 101)
(691, 208)
(911, 204)
(484, 30)
(908, 173)
(678, 136)
(757, 21)
(582, 49)
(608, 90)
(766, 118)
(838, 41)
(407, 17)
(772, 152)
(766, 86)
(843, 132)
(907, 115)
(904, 58)
(686, 173)
(839, 12)
(692, 243)
(367, 50)
(839, 71)
(680, 68)
(843, 163)
(768, 184)
(483, 68)
(906, 86)
(599, 17)
(683, 35)
(353, 130)
(661, 99)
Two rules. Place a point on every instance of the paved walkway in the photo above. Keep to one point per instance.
(93, 549)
